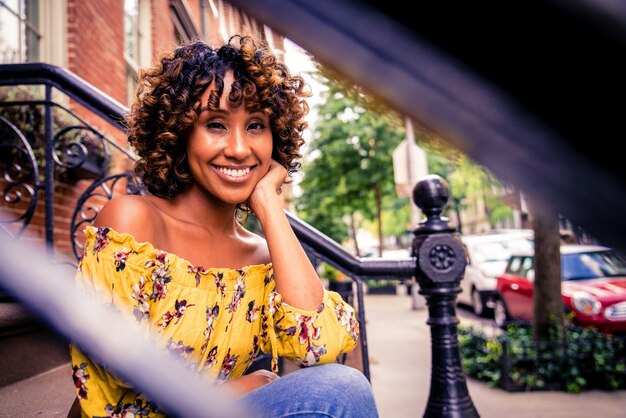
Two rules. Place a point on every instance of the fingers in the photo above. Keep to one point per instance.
(265, 376)
(268, 188)
(278, 168)
(278, 174)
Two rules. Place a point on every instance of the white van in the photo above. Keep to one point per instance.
(487, 256)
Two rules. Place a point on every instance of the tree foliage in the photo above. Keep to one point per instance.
(469, 182)
(350, 168)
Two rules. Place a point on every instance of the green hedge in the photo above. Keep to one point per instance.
(512, 360)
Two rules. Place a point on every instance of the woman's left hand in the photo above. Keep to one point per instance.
(268, 187)
(248, 383)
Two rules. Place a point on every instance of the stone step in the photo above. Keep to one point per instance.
(27, 346)
(48, 394)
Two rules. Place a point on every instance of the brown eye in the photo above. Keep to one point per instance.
(256, 126)
(215, 125)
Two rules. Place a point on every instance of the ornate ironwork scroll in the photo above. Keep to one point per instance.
(92, 200)
(20, 179)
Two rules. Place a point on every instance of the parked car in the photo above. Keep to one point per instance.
(487, 256)
(593, 287)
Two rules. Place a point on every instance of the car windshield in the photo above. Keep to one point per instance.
(499, 251)
(592, 265)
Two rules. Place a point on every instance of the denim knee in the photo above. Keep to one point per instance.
(329, 390)
(346, 377)
(345, 387)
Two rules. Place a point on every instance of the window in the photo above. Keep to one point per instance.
(131, 29)
(19, 31)
(490, 251)
(131, 46)
(514, 265)
(592, 265)
(184, 28)
(137, 38)
(527, 265)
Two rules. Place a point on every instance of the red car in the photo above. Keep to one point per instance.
(593, 288)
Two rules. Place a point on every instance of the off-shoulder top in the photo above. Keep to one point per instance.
(217, 319)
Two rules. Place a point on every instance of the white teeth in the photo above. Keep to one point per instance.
(234, 173)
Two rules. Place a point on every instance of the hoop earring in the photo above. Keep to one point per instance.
(242, 212)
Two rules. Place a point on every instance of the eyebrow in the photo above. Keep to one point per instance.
(218, 110)
(226, 112)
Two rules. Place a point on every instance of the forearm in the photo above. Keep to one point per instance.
(296, 279)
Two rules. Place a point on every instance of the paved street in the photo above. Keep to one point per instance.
(399, 344)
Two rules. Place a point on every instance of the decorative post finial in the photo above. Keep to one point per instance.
(440, 266)
(431, 195)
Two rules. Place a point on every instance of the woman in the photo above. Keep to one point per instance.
(218, 131)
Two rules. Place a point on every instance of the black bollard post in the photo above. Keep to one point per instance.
(440, 266)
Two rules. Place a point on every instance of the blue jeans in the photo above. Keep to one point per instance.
(329, 390)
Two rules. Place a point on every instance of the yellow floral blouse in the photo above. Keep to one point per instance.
(217, 319)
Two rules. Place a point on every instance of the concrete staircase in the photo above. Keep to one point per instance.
(35, 373)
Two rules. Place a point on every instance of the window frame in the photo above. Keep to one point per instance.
(24, 27)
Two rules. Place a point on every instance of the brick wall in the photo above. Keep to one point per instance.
(162, 28)
(96, 44)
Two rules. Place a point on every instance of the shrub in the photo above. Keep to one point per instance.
(588, 359)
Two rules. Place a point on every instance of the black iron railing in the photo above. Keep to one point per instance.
(27, 172)
(42, 140)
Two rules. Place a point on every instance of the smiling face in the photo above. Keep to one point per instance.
(229, 149)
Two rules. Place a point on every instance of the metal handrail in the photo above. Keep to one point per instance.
(326, 249)
(74, 86)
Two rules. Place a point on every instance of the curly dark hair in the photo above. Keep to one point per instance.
(167, 106)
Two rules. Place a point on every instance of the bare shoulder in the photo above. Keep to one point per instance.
(130, 214)
(256, 247)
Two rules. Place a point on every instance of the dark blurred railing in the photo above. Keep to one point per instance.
(541, 116)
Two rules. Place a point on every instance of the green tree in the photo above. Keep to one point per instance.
(350, 168)
(396, 216)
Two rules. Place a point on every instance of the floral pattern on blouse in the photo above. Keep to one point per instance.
(138, 408)
(80, 376)
(194, 310)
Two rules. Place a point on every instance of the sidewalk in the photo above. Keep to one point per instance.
(399, 349)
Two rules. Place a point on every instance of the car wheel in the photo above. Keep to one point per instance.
(477, 303)
(500, 314)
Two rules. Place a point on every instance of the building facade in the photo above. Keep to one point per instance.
(105, 42)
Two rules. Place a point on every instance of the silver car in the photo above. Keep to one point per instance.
(487, 256)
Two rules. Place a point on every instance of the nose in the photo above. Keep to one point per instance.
(237, 147)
